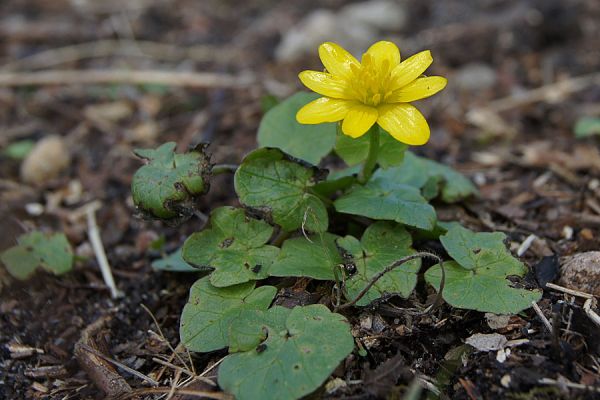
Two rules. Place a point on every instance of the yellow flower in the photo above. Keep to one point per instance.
(376, 90)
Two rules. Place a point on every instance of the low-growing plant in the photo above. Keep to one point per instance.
(51, 252)
(351, 230)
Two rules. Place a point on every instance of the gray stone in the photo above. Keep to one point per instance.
(581, 272)
(475, 76)
(355, 27)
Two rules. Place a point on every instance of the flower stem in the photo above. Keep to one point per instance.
(371, 161)
(218, 169)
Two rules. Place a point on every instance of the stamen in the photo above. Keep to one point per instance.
(371, 82)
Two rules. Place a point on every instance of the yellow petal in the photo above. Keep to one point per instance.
(323, 110)
(410, 69)
(358, 120)
(324, 84)
(418, 89)
(404, 122)
(337, 60)
(382, 51)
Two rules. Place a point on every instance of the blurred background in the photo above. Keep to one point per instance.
(83, 82)
(522, 75)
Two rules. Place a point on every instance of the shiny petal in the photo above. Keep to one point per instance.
(418, 89)
(358, 120)
(324, 84)
(410, 69)
(382, 51)
(323, 110)
(404, 122)
(337, 60)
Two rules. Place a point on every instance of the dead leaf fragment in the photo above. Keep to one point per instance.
(496, 321)
(487, 341)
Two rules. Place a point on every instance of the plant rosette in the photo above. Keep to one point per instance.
(352, 230)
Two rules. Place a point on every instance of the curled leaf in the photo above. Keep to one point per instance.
(167, 186)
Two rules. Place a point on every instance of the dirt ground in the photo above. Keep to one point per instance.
(521, 73)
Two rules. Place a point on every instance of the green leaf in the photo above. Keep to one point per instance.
(296, 358)
(267, 102)
(385, 199)
(234, 245)
(315, 258)
(20, 261)
(484, 289)
(173, 262)
(478, 278)
(36, 249)
(19, 150)
(430, 177)
(467, 247)
(280, 188)
(381, 245)
(355, 151)
(250, 329)
(587, 126)
(210, 310)
(168, 184)
(280, 129)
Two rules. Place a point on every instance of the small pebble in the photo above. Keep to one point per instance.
(34, 209)
(567, 232)
(49, 157)
(586, 234)
(581, 272)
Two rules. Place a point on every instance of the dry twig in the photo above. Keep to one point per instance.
(98, 247)
(540, 314)
(551, 92)
(119, 365)
(98, 369)
(569, 291)
(588, 306)
(186, 392)
(122, 48)
(127, 77)
(567, 383)
(174, 351)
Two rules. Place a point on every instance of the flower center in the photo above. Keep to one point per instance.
(371, 83)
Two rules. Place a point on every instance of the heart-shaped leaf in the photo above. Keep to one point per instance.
(167, 185)
(429, 176)
(280, 188)
(234, 245)
(385, 199)
(478, 280)
(209, 312)
(315, 258)
(467, 247)
(299, 353)
(280, 129)
(381, 245)
(36, 249)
